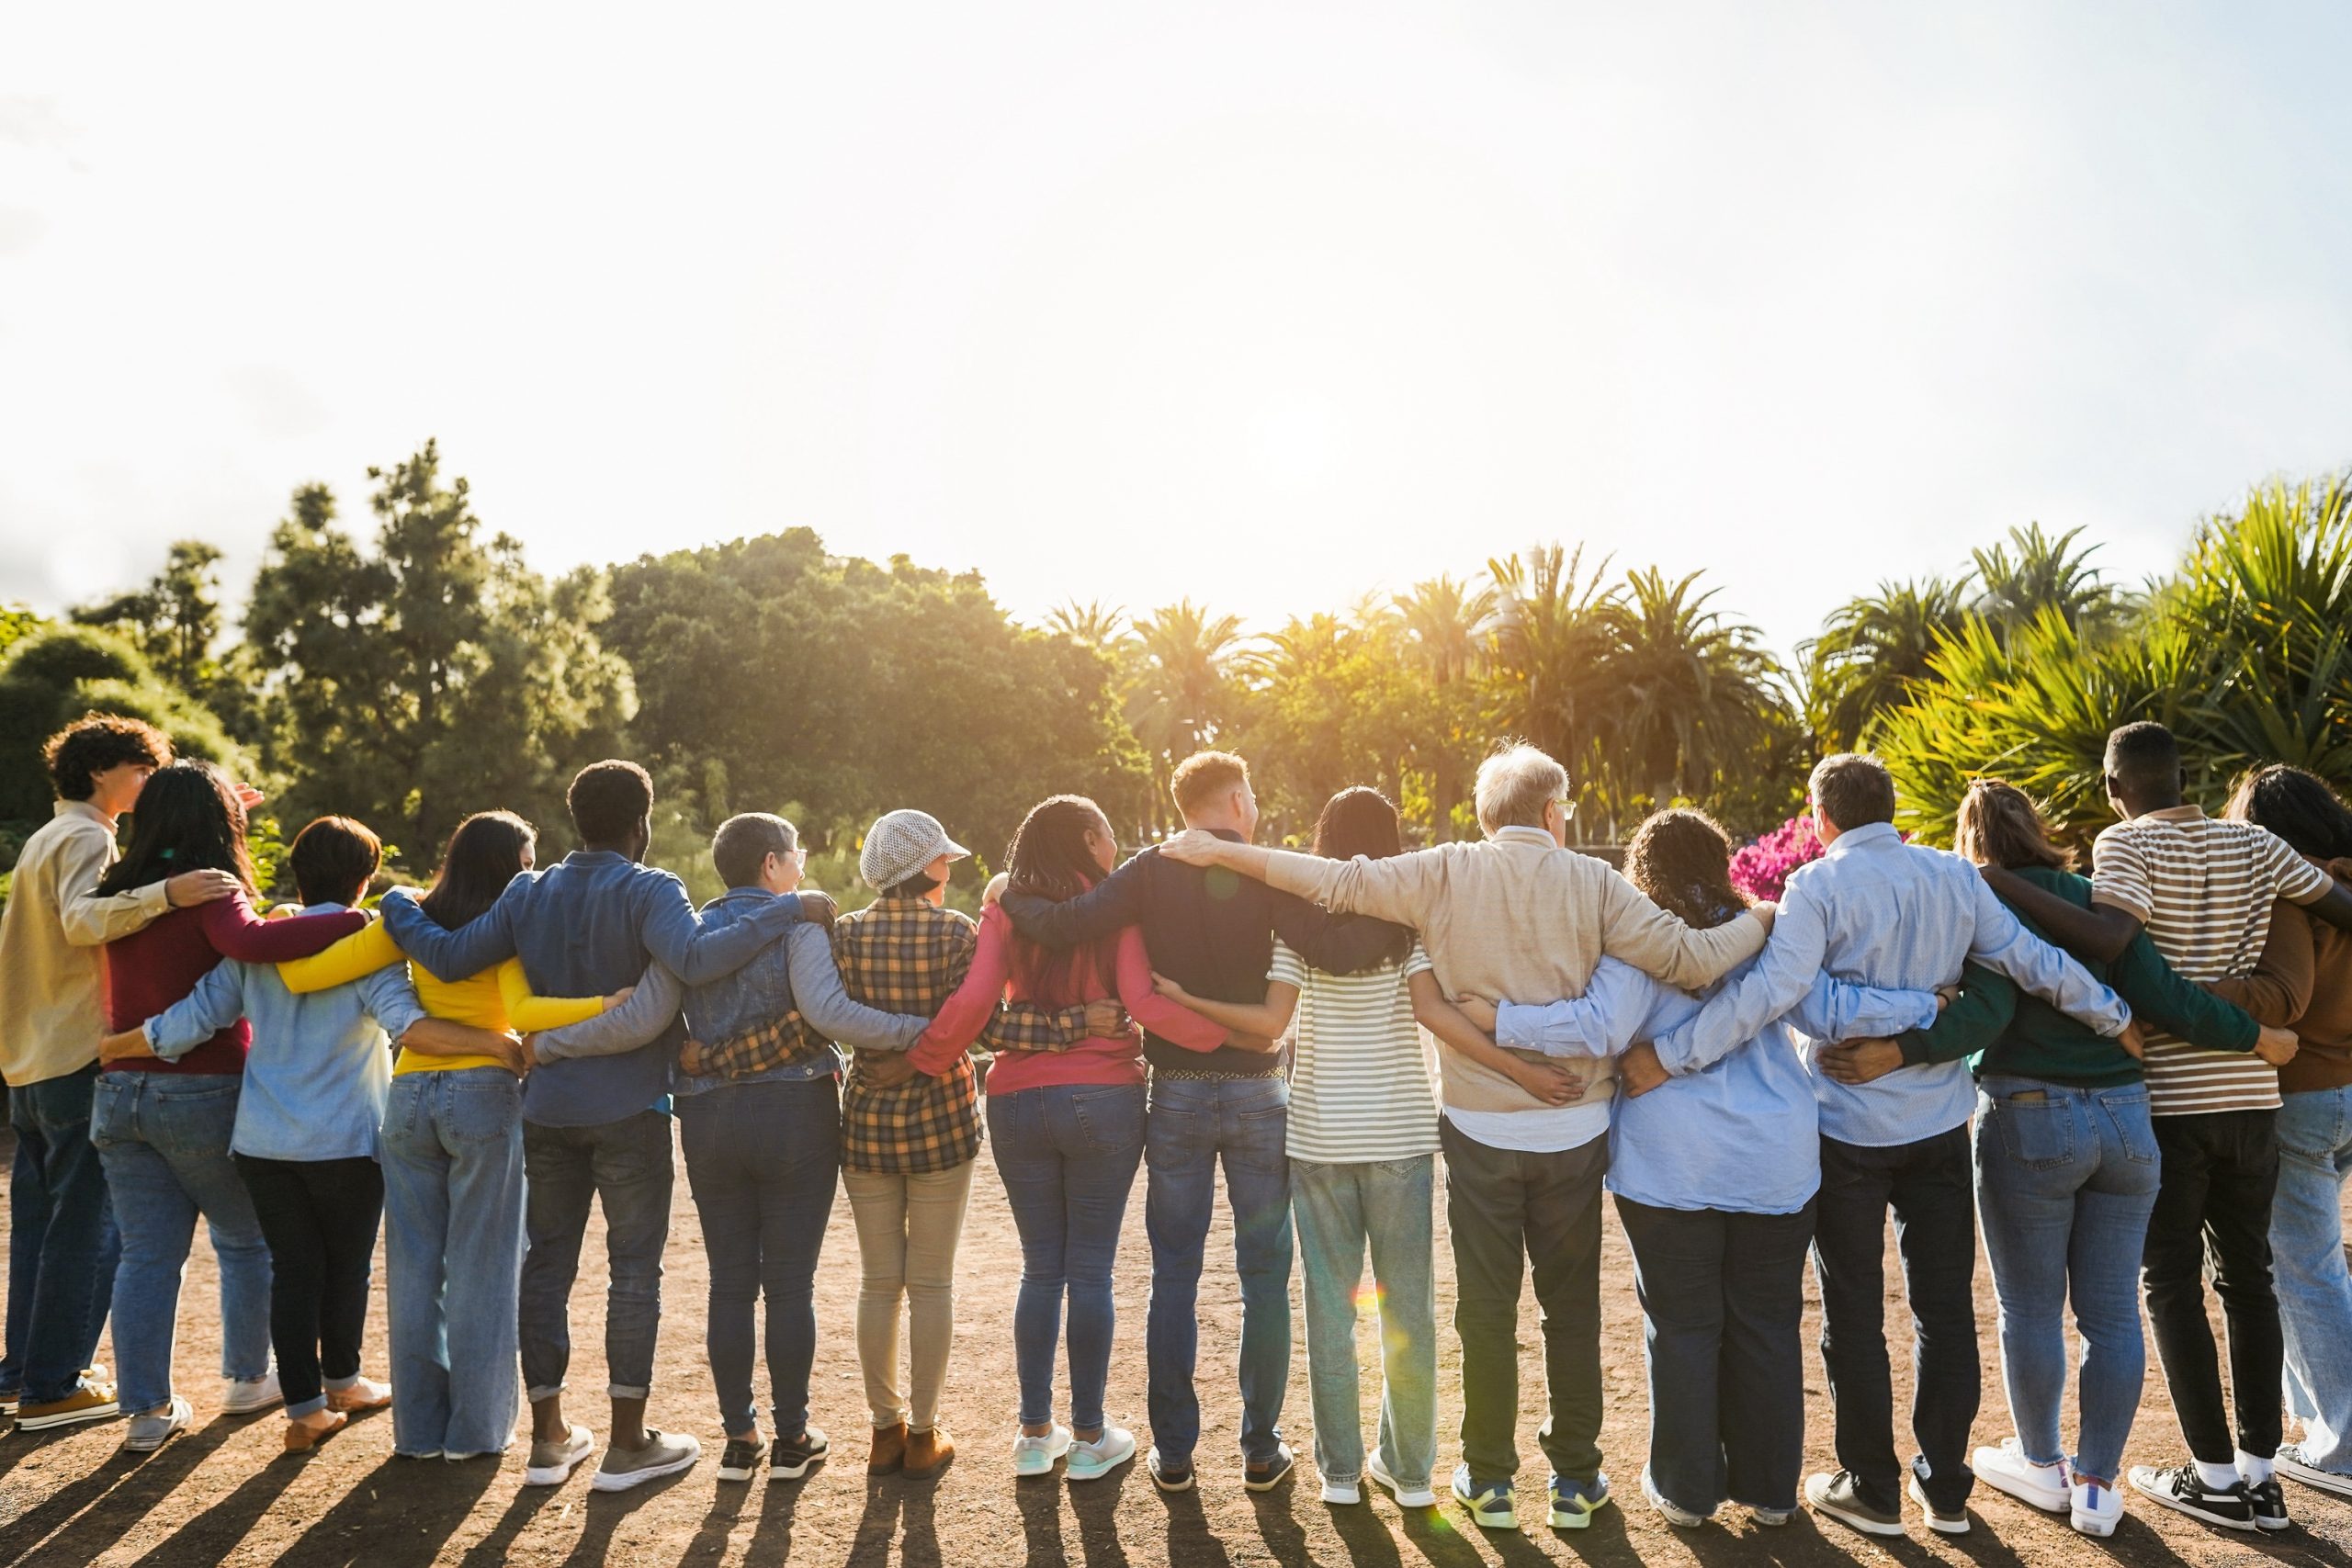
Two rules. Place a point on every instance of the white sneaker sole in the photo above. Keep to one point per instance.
(1861, 1522)
(2032, 1497)
(106, 1412)
(2318, 1480)
(796, 1471)
(554, 1474)
(2092, 1524)
(1343, 1496)
(1934, 1520)
(1424, 1498)
(607, 1482)
(2216, 1521)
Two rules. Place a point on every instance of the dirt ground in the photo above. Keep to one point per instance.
(223, 1494)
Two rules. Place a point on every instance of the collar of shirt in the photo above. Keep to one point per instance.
(2173, 814)
(1520, 834)
(1863, 837)
(594, 857)
(81, 808)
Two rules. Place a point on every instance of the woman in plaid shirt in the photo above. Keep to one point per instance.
(908, 1138)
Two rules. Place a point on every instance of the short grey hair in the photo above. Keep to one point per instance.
(1514, 786)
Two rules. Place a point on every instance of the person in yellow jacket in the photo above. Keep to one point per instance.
(453, 1160)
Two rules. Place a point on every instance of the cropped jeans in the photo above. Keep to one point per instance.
(453, 1248)
(1067, 1154)
(2065, 1179)
(1194, 1125)
(61, 1239)
(1343, 1211)
(164, 1140)
(2307, 1257)
(628, 1166)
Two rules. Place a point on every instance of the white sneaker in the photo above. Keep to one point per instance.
(1673, 1513)
(1346, 1493)
(2043, 1486)
(149, 1432)
(2290, 1461)
(1092, 1462)
(1421, 1496)
(246, 1396)
(2097, 1508)
(1035, 1455)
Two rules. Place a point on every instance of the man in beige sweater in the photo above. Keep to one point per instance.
(1518, 914)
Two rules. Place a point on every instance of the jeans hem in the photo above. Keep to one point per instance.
(306, 1407)
(538, 1392)
(628, 1390)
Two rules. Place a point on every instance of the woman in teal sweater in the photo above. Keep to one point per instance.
(2066, 1171)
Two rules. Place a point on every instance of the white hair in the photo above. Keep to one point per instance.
(1514, 786)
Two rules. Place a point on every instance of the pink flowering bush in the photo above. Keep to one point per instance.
(1762, 869)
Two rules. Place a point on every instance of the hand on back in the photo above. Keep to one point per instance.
(1194, 846)
(192, 887)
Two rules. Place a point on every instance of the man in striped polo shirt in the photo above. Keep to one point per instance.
(2203, 889)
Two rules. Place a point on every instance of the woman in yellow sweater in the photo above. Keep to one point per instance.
(453, 1161)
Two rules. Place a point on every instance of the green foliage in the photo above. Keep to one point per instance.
(55, 675)
(174, 619)
(17, 622)
(434, 675)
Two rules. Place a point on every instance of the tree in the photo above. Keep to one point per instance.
(1448, 627)
(57, 674)
(1333, 703)
(1555, 627)
(2012, 591)
(175, 620)
(1873, 647)
(1091, 624)
(432, 676)
(1182, 691)
(1695, 695)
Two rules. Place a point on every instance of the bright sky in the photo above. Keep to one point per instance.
(1265, 304)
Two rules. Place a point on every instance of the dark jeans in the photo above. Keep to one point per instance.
(1067, 1154)
(1510, 1213)
(1722, 1296)
(763, 1159)
(627, 1165)
(1194, 1124)
(62, 1240)
(2213, 1196)
(1929, 1185)
(319, 1218)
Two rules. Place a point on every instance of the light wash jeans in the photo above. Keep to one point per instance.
(2314, 1287)
(2066, 1180)
(1340, 1210)
(164, 1138)
(453, 1248)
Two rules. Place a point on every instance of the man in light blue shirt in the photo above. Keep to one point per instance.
(1874, 910)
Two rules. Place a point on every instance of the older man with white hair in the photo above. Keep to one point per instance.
(1517, 915)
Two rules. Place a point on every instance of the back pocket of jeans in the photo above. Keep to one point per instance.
(483, 1110)
(1110, 1120)
(2036, 1132)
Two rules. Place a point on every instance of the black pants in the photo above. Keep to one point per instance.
(319, 1217)
(1722, 1295)
(2220, 1171)
(1928, 1184)
(1510, 1210)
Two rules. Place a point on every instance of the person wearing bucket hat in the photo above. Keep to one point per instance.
(903, 842)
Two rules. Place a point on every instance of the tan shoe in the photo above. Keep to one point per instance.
(927, 1453)
(890, 1450)
(364, 1395)
(304, 1432)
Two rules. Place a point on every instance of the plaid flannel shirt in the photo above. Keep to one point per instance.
(904, 955)
(785, 1042)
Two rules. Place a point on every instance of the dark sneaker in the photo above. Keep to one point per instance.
(740, 1461)
(1841, 1497)
(1490, 1504)
(2290, 1461)
(1265, 1476)
(2269, 1501)
(1168, 1475)
(2179, 1486)
(1575, 1501)
(790, 1462)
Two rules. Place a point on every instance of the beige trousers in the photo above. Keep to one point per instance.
(908, 1228)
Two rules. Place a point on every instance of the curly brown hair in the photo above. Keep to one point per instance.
(1682, 859)
(96, 742)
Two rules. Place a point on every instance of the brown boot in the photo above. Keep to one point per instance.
(928, 1452)
(890, 1450)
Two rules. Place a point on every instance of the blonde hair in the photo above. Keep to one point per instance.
(1514, 786)
(1999, 825)
(1201, 777)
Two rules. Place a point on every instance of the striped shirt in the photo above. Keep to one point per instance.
(1360, 1079)
(2203, 889)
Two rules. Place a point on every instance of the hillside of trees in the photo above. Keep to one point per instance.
(414, 668)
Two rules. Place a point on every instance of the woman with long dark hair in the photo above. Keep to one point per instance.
(2305, 981)
(1715, 1173)
(162, 1125)
(1363, 1145)
(453, 1159)
(1067, 1125)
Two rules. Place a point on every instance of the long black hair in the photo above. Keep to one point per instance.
(2299, 808)
(1682, 859)
(187, 819)
(1359, 821)
(484, 854)
(1049, 858)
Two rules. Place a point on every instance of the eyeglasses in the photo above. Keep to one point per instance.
(1568, 809)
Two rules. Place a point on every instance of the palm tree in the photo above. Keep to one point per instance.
(1555, 628)
(1183, 688)
(1091, 624)
(1872, 651)
(2044, 575)
(1696, 695)
(1447, 629)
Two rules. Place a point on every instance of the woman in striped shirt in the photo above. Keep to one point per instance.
(1363, 1144)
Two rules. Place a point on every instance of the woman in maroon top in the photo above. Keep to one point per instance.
(161, 1126)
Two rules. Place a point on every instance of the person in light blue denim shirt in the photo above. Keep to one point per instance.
(1714, 1174)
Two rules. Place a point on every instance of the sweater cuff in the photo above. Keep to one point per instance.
(1916, 1052)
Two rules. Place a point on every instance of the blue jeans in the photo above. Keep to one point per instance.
(627, 1165)
(62, 1240)
(453, 1248)
(2066, 1180)
(763, 1159)
(164, 1140)
(1067, 1154)
(2314, 1288)
(1193, 1124)
(1342, 1210)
